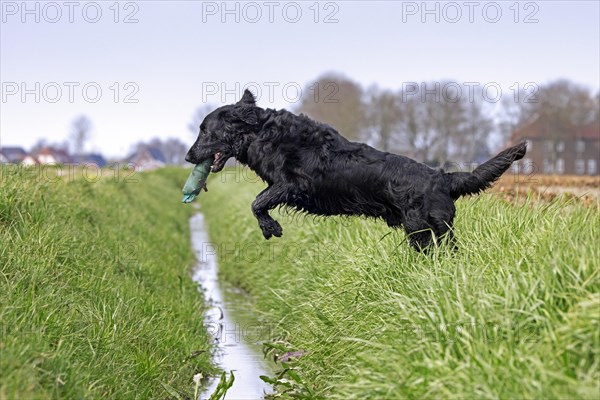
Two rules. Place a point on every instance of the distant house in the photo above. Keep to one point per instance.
(29, 160)
(91, 158)
(13, 155)
(49, 155)
(575, 151)
(147, 158)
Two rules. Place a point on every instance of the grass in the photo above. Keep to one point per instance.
(96, 299)
(514, 313)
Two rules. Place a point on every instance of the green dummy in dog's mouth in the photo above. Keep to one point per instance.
(197, 179)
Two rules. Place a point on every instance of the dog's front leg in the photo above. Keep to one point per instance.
(266, 200)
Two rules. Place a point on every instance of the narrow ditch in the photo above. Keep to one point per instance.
(237, 332)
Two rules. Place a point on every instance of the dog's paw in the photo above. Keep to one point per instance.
(271, 228)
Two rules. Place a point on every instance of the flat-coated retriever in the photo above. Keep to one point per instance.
(311, 167)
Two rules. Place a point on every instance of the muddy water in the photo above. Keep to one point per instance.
(237, 333)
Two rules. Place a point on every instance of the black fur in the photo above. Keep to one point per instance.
(309, 166)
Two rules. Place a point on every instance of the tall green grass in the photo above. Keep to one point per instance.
(96, 299)
(514, 313)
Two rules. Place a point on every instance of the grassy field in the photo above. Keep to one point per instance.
(96, 299)
(514, 313)
(579, 188)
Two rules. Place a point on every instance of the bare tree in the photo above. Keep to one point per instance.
(336, 101)
(445, 118)
(511, 116)
(39, 145)
(198, 116)
(471, 138)
(444, 125)
(80, 134)
(383, 118)
(413, 131)
(173, 150)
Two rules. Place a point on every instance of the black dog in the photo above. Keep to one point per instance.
(309, 166)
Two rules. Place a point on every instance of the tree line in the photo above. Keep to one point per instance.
(437, 122)
(433, 122)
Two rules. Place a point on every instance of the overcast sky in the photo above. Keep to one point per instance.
(140, 69)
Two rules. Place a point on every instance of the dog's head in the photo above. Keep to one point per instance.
(226, 132)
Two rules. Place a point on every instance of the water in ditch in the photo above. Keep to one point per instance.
(237, 332)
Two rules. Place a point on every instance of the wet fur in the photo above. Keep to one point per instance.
(310, 167)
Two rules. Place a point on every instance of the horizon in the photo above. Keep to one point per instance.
(147, 66)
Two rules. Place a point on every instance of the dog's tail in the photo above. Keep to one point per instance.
(463, 183)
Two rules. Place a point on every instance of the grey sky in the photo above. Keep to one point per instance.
(178, 53)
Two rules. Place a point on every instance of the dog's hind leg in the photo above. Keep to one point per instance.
(266, 200)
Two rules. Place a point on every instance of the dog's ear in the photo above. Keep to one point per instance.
(246, 114)
(247, 99)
